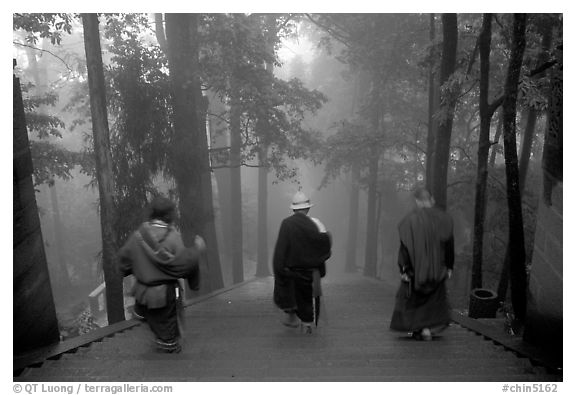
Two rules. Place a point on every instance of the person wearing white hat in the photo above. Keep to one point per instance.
(299, 261)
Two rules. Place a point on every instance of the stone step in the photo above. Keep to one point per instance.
(149, 353)
(237, 336)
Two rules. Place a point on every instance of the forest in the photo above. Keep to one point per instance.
(230, 114)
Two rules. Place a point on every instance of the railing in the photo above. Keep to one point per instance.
(97, 302)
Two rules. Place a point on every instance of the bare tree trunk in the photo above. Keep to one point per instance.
(63, 280)
(34, 321)
(236, 188)
(516, 225)
(433, 100)
(160, 33)
(190, 162)
(443, 137)
(57, 222)
(262, 268)
(486, 112)
(351, 245)
(371, 257)
(104, 174)
(524, 161)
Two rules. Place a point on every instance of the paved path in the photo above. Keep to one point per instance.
(237, 336)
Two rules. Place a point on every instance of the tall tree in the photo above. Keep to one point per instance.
(103, 160)
(531, 115)
(433, 98)
(448, 101)
(189, 156)
(59, 236)
(262, 255)
(351, 245)
(518, 279)
(235, 220)
(262, 268)
(42, 120)
(371, 255)
(487, 110)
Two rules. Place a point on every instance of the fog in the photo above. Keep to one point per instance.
(69, 209)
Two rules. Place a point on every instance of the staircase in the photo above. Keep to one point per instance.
(237, 336)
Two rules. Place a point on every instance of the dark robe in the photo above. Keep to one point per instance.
(300, 251)
(426, 253)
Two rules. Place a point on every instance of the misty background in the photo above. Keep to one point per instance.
(54, 81)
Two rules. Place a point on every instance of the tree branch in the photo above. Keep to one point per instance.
(328, 30)
(44, 50)
(160, 34)
(495, 104)
(468, 181)
(543, 67)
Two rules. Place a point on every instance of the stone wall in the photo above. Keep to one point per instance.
(35, 323)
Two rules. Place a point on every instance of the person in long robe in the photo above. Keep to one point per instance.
(155, 254)
(299, 263)
(426, 261)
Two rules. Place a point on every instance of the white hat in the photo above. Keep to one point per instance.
(300, 201)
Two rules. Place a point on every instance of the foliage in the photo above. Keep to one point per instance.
(50, 159)
(141, 130)
(383, 52)
(37, 26)
(234, 55)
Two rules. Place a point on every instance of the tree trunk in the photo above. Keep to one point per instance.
(442, 143)
(189, 157)
(516, 227)
(532, 116)
(160, 33)
(351, 245)
(433, 100)
(34, 321)
(262, 268)
(525, 160)
(58, 237)
(104, 174)
(486, 113)
(504, 279)
(371, 257)
(63, 280)
(236, 188)
(221, 143)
